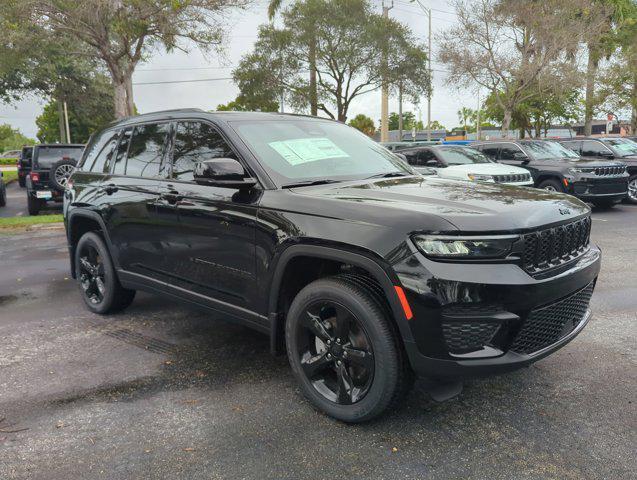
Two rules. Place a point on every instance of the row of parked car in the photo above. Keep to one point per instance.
(44, 171)
(601, 171)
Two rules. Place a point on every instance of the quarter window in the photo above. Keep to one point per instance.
(196, 142)
(147, 150)
(101, 152)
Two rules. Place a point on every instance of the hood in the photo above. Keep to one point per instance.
(591, 162)
(468, 206)
(484, 168)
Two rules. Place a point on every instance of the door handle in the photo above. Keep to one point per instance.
(110, 189)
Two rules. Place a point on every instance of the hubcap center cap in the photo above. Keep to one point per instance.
(336, 350)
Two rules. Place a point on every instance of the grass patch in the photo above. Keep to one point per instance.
(8, 161)
(10, 177)
(17, 222)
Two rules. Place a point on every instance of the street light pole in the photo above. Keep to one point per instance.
(384, 92)
(428, 13)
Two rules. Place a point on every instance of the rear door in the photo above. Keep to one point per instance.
(131, 193)
(214, 251)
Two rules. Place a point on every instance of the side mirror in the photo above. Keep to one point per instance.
(402, 157)
(223, 172)
(520, 157)
(606, 154)
(432, 163)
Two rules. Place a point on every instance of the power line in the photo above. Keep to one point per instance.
(184, 81)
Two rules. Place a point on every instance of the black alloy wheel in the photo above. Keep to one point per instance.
(335, 352)
(97, 278)
(91, 269)
(344, 348)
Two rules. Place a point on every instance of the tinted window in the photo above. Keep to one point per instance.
(591, 148)
(623, 147)
(490, 151)
(548, 150)
(574, 146)
(427, 158)
(196, 142)
(462, 156)
(99, 150)
(47, 156)
(508, 151)
(122, 149)
(147, 150)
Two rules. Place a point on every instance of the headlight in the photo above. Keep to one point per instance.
(478, 177)
(581, 170)
(496, 246)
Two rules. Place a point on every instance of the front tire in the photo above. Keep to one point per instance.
(344, 349)
(551, 186)
(96, 276)
(632, 190)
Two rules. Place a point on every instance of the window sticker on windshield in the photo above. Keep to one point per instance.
(304, 150)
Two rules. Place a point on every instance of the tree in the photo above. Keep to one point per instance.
(436, 125)
(506, 46)
(121, 32)
(12, 139)
(364, 124)
(86, 117)
(348, 36)
(465, 115)
(409, 121)
(243, 104)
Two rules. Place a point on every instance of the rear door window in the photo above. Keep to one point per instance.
(196, 142)
(147, 149)
(575, 146)
(99, 151)
(122, 150)
(427, 158)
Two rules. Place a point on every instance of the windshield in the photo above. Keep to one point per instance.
(462, 156)
(547, 150)
(622, 146)
(47, 156)
(300, 150)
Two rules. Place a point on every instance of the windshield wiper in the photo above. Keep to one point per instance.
(389, 175)
(307, 183)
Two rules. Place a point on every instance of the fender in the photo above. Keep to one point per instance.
(382, 276)
(86, 213)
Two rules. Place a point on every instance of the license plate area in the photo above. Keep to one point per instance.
(43, 194)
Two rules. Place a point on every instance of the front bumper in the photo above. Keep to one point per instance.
(473, 319)
(600, 188)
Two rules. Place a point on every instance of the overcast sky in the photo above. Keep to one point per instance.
(180, 66)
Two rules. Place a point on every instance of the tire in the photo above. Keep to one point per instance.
(60, 173)
(34, 205)
(632, 190)
(551, 186)
(22, 182)
(381, 376)
(3, 195)
(94, 266)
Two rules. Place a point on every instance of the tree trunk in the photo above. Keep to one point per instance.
(313, 91)
(61, 122)
(119, 97)
(506, 122)
(130, 103)
(400, 112)
(591, 73)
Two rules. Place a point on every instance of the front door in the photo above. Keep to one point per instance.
(214, 253)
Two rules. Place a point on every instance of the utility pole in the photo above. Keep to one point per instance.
(66, 123)
(428, 13)
(478, 121)
(384, 92)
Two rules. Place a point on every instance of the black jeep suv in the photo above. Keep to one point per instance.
(51, 167)
(622, 149)
(305, 229)
(558, 169)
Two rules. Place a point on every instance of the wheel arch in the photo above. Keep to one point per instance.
(372, 267)
(80, 221)
(558, 177)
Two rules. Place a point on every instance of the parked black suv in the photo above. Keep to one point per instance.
(3, 191)
(558, 169)
(51, 167)
(24, 165)
(622, 149)
(307, 230)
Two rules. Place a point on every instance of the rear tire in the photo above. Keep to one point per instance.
(341, 319)
(22, 182)
(551, 186)
(96, 276)
(33, 204)
(3, 196)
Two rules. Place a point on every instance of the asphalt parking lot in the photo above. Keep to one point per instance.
(17, 203)
(165, 391)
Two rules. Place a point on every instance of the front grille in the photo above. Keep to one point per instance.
(547, 325)
(464, 337)
(551, 247)
(522, 177)
(607, 171)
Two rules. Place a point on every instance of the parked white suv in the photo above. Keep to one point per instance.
(456, 162)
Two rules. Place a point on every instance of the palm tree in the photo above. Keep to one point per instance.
(273, 7)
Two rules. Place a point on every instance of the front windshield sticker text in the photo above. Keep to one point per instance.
(304, 150)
